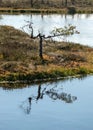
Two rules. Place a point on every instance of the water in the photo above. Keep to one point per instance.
(66, 105)
(46, 23)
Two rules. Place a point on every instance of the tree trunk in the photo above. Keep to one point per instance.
(32, 33)
(66, 3)
(40, 46)
(0, 2)
(42, 1)
(62, 2)
(31, 3)
(73, 2)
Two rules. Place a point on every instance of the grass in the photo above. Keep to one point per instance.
(44, 75)
(19, 60)
(68, 10)
(32, 10)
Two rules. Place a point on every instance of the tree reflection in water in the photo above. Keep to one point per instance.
(40, 93)
(62, 96)
(26, 105)
(51, 93)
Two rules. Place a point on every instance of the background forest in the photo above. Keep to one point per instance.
(45, 3)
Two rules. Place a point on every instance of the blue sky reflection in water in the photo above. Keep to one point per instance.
(46, 23)
(66, 105)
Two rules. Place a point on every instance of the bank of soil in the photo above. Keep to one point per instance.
(19, 60)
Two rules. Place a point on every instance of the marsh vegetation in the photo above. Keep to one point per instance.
(20, 60)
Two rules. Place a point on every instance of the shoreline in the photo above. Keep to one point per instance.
(43, 80)
(40, 77)
(68, 10)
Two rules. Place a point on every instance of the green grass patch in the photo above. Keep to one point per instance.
(53, 74)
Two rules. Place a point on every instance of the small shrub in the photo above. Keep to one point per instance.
(71, 10)
(83, 71)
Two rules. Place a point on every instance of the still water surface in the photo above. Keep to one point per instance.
(66, 105)
(46, 23)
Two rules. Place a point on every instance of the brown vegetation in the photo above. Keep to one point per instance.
(19, 56)
(45, 4)
(48, 6)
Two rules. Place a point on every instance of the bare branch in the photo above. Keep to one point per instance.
(66, 31)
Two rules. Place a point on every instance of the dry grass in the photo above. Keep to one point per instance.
(19, 55)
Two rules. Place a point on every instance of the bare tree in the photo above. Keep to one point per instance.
(31, 3)
(0, 2)
(73, 2)
(62, 2)
(66, 2)
(42, 1)
(57, 32)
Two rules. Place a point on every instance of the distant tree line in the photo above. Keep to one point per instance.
(44, 3)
